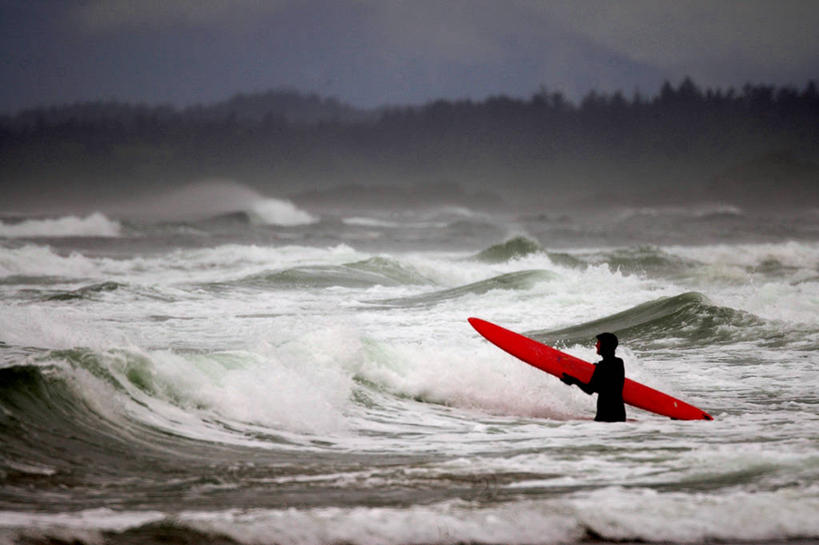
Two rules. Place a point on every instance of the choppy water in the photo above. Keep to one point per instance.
(274, 376)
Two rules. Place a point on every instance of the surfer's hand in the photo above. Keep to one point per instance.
(568, 379)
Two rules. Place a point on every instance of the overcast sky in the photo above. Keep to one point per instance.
(375, 52)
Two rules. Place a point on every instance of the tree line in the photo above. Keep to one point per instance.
(682, 135)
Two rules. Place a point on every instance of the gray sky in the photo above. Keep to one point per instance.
(375, 52)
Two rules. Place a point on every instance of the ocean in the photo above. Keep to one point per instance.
(275, 375)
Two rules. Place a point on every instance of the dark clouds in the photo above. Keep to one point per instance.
(371, 52)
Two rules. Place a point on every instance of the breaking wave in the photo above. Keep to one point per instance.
(511, 249)
(32, 261)
(94, 225)
(704, 210)
(217, 200)
(595, 517)
(375, 271)
(273, 212)
(690, 317)
(86, 292)
(518, 280)
(278, 212)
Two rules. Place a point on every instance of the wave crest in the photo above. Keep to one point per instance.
(218, 200)
(518, 280)
(376, 271)
(278, 212)
(94, 225)
(511, 249)
(690, 316)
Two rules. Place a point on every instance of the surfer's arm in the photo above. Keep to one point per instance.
(570, 380)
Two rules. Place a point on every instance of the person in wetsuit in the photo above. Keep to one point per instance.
(607, 381)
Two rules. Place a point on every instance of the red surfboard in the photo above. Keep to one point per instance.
(556, 363)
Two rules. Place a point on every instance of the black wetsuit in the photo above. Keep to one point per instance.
(607, 381)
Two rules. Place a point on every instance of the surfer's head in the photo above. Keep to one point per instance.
(606, 343)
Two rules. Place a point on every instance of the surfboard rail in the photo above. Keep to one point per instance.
(556, 363)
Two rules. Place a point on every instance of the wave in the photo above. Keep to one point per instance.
(514, 248)
(376, 271)
(361, 221)
(518, 280)
(391, 268)
(792, 263)
(639, 260)
(86, 292)
(91, 404)
(94, 225)
(765, 257)
(96, 291)
(295, 392)
(105, 416)
(700, 211)
(314, 386)
(41, 264)
(78, 419)
(239, 398)
(29, 280)
(278, 212)
(648, 260)
(689, 317)
(217, 200)
(567, 260)
(603, 515)
(32, 261)
(274, 212)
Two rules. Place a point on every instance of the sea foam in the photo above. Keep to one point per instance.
(215, 198)
(94, 225)
(36, 260)
(610, 514)
(279, 212)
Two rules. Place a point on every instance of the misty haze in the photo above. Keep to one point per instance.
(755, 147)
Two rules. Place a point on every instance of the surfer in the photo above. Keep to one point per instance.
(607, 381)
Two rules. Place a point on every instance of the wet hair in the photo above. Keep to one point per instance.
(608, 342)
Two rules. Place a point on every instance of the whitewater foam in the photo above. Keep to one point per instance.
(370, 222)
(56, 328)
(695, 211)
(304, 385)
(801, 254)
(477, 378)
(36, 260)
(279, 212)
(773, 281)
(214, 198)
(94, 225)
(398, 424)
(224, 262)
(101, 519)
(610, 514)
